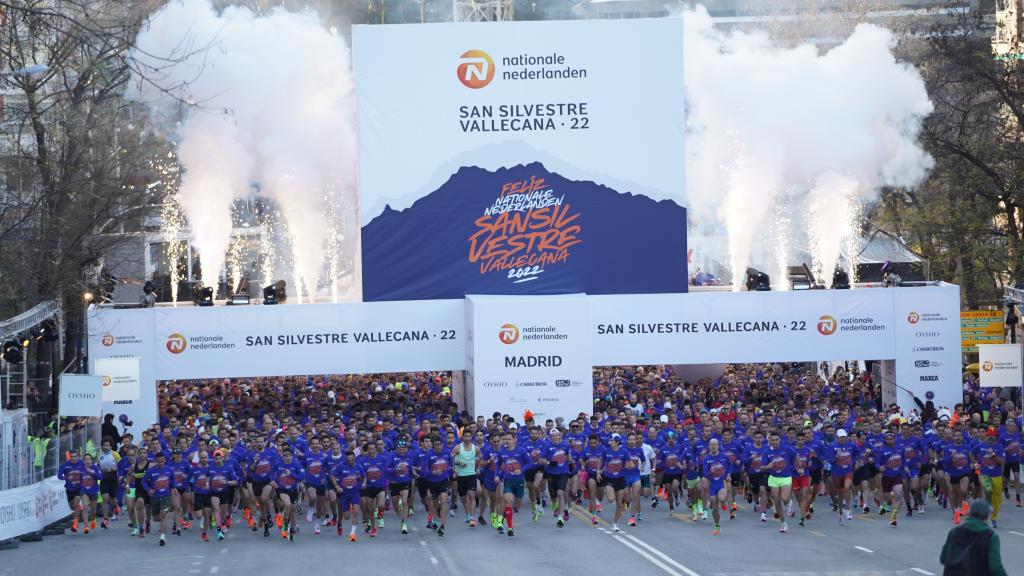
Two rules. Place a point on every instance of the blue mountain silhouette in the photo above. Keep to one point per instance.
(631, 244)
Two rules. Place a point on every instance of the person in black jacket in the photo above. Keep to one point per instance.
(109, 430)
(972, 549)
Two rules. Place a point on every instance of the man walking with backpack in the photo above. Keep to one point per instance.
(972, 549)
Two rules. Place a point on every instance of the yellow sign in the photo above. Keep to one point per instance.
(981, 327)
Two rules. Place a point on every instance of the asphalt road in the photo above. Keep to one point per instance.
(659, 546)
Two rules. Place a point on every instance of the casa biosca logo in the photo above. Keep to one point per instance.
(508, 334)
(176, 343)
(827, 325)
(476, 69)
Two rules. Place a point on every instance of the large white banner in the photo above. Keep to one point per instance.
(120, 379)
(928, 347)
(1000, 365)
(284, 340)
(719, 327)
(535, 158)
(81, 395)
(31, 508)
(120, 334)
(531, 353)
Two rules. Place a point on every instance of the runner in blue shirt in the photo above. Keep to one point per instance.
(511, 462)
(559, 459)
(158, 483)
(674, 467)
(399, 467)
(591, 462)
(347, 479)
(715, 467)
(1011, 440)
(956, 463)
(372, 496)
(632, 475)
(437, 470)
(70, 472)
(317, 463)
(222, 477)
(781, 464)
(182, 492)
(91, 477)
(757, 474)
(842, 458)
(891, 461)
(287, 481)
(261, 469)
(612, 477)
(201, 490)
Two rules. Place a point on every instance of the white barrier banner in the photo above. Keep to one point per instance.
(126, 334)
(927, 349)
(81, 395)
(120, 379)
(713, 327)
(286, 340)
(1000, 365)
(31, 508)
(531, 353)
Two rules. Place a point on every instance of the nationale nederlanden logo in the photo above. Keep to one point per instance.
(913, 317)
(106, 381)
(176, 343)
(827, 325)
(476, 69)
(107, 340)
(508, 333)
(986, 366)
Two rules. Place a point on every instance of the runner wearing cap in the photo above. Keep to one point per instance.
(842, 458)
(611, 476)
(891, 461)
(989, 458)
(559, 459)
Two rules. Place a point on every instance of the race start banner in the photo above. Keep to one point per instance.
(529, 353)
(521, 158)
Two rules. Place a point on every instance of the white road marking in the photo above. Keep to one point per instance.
(214, 569)
(162, 560)
(197, 562)
(646, 556)
(1017, 533)
(662, 555)
(863, 549)
(925, 572)
(193, 571)
(423, 543)
(433, 560)
(224, 551)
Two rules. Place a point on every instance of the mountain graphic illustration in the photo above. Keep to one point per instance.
(630, 244)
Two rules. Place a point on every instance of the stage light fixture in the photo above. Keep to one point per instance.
(238, 300)
(275, 293)
(203, 296)
(840, 280)
(758, 281)
(48, 329)
(12, 352)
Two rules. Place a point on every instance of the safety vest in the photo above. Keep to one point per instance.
(39, 446)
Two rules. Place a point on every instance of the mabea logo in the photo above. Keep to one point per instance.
(913, 317)
(476, 69)
(827, 325)
(107, 340)
(508, 334)
(176, 343)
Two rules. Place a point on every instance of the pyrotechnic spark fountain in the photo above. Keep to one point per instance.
(171, 219)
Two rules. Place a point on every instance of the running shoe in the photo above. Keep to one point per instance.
(373, 532)
(783, 528)
(405, 528)
(801, 521)
(220, 535)
(537, 513)
(654, 502)
(472, 523)
(92, 525)
(764, 517)
(560, 523)
(316, 530)
(732, 514)
(86, 529)
(565, 515)
(352, 537)
(204, 538)
(266, 530)
(135, 532)
(74, 525)
(440, 532)
(509, 532)
(279, 520)
(163, 542)
(995, 524)
(105, 524)
(717, 530)
(593, 520)
(615, 528)
(291, 535)
(632, 521)
(848, 515)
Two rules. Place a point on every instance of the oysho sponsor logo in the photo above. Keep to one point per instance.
(476, 69)
(508, 334)
(81, 396)
(107, 340)
(827, 325)
(176, 343)
(986, 366)
(927, 334)
(913, 317)
(495, 384)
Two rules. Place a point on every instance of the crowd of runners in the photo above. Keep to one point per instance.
(346, 455)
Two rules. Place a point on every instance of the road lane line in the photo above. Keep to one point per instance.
(816, 533)
(662, 555)
(1017, 533)
(925, 572)
(646, 556)
(224, 551)
(863, 549)
(214, 569)
(433, 560)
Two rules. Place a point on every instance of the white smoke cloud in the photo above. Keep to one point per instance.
(766, 120)
(274, 104)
